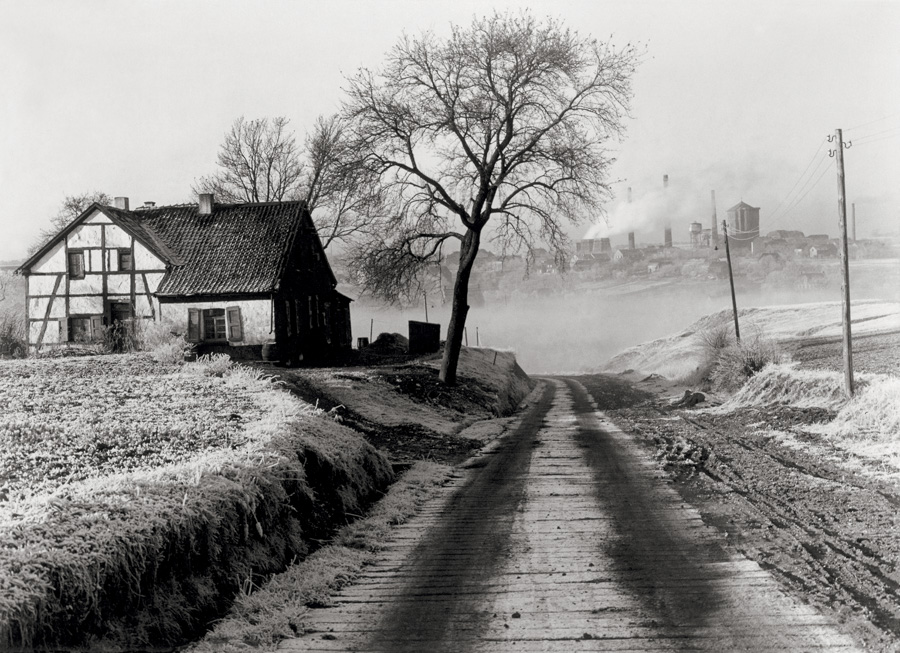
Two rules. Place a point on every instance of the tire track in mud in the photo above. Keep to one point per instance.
(565, 538)
(462, 553)
(827, 533)
(835, 560)
(711, 595)
(624, 488)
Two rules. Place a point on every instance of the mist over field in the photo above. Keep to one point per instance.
(576, 329)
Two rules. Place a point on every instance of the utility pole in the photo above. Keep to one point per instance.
(845, 265)
(737, 329)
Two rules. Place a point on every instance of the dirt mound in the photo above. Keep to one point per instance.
(390, 343)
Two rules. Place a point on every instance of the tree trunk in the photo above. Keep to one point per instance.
(467, 254)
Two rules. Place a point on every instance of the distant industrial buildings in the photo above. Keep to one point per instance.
(743, 225)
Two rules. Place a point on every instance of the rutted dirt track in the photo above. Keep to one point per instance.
(565, 537)
(824, 530)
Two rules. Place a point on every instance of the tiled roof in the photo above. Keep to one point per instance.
(237, 249)
(128, 220)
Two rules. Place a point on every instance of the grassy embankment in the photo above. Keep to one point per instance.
(404, 410)
(138, 498)
(868, 426)
(415, 417)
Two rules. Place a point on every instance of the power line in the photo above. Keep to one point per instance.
(872, 122)
(875, 140)
(883, 131)
(819, 149)
(809, 190)
(804, 189)
(797, 201)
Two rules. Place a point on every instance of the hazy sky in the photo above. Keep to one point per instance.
(133, 98)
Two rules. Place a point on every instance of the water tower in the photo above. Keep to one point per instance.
(696, 230)
(743, 225)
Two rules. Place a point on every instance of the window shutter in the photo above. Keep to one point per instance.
(193, 334)
(235, 328)
(96, 327)
(76, 265)
(64, 329)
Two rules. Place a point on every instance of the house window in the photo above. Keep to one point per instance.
(76, 264)
(126, 261)
(85, 328)
(214, 324)
(81, 329)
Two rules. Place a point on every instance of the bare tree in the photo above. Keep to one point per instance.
(501, 126)
(342, 194)
(72, 206)
(259, 162)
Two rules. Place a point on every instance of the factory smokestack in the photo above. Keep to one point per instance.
(667, 234)
(630, 233)
(853, 223)
(714, 228)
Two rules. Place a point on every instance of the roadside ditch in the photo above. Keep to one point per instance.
(147, 562)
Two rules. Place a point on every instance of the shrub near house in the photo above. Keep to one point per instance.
(233, 275)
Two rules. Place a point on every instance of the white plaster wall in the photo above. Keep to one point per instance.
(256, 316)
(145, 260)
(85, 305)
(118, 283)
(43, 285)
(154, 279)
(52, 261)
(98, 217)
(51, 335)
(85, 235)
(93, 260)
(144, 307)
(37, 307)
(117, 237)
(91, 284)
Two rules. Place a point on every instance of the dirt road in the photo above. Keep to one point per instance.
(564, 537)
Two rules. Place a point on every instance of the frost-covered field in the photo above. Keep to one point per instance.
(75, 418)
(139, 497)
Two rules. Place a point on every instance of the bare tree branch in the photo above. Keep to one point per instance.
(258, 162)
(501, 126)
(71, 207)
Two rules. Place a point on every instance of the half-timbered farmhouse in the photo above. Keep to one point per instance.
(233, 277)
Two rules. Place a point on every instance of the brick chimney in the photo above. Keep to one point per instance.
(121, 203)
(206, 204)
(667, 231)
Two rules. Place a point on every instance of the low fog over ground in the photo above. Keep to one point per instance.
(577, 329)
